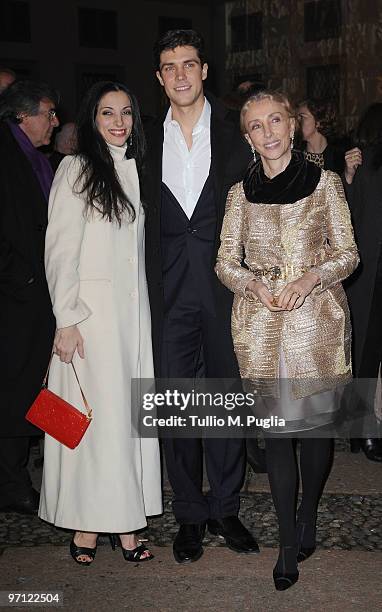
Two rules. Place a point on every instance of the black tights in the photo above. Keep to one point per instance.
(315, 462)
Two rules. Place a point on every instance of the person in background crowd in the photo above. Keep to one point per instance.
(363, 186)
(7, 77)
(64, 144)
(194, 154)
(236, 98)
(95, 270)
(27, 120)
(290, 320)
(318, 127)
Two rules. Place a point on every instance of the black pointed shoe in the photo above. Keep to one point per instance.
(237, 537)
(187, 545)
(285, 573)
(305, 532)
(284, 581)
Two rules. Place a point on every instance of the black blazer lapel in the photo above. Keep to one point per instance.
(154, 137)
(221, 146)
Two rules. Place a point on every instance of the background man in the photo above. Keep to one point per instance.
(65, 144)
(27, 119)
(195, 154)
(7, 77)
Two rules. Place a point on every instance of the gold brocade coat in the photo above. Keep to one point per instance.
(278, 243)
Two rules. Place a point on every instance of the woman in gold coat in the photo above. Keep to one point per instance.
(289, 222)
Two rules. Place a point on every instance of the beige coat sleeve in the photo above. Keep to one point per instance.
(231, 252)
(65, 232)
(342, 251)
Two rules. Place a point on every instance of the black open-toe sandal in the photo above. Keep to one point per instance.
(77, 551)
(135, 555)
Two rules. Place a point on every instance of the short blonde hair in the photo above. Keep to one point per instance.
(264, 94)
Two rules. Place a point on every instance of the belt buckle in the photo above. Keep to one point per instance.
(274, 273)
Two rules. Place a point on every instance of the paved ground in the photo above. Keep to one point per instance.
(335, 581)
(344, 574)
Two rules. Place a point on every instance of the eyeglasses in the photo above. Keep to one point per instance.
(52, 113)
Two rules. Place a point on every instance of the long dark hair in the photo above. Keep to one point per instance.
(98, 179)
(369, 132)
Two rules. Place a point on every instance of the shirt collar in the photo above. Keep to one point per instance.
(202, 123)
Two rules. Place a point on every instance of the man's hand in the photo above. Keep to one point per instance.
(353, 159)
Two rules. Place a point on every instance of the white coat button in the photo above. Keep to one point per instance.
(134, 294)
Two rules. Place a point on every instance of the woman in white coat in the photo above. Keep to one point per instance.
(96, 276)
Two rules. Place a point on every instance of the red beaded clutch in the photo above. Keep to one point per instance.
(57, 417)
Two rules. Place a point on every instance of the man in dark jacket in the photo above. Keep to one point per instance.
(195, 154)
(27, 119)
(363, 186)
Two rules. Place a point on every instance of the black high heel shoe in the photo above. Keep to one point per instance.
(134, 555)
(78, 551)
(305, 531)
(284, 575)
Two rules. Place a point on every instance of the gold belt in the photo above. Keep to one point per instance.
(279, 272)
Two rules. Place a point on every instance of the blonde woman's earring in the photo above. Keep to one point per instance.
(254, 152)
(291, 141)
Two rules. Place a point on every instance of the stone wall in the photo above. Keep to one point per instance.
(349, 66)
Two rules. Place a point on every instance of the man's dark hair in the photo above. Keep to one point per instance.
(25, 97)
(178, 38)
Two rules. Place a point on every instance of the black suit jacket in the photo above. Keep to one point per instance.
(26, 318)
(230, 156)
(365, 201)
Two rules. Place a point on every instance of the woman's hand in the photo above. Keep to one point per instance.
(66, 341)
(353, 159)
(293, 295)
(260, 290)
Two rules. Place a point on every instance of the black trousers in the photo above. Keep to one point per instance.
(189, 332)
(372, 350)
(15, 482)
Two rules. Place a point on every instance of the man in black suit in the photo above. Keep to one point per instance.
(27, 119)
(195, 154)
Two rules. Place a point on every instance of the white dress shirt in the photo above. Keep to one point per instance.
(185, 171)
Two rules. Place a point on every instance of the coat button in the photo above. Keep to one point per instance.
(134, 293)
(30, 280)
(40, 227)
